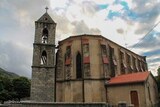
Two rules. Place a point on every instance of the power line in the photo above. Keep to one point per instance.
(145, 35)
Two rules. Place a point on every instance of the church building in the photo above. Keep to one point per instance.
(86, 62)
(87, 68)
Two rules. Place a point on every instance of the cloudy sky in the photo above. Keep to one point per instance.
(125, 22)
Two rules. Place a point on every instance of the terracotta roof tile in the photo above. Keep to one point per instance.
(129, 78)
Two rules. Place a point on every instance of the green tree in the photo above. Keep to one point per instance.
(158, 79)
(1, 85)
(158, 71)
(21, 87)
(4, 96)
(5, 89)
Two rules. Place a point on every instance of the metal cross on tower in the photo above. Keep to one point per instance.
(46, 9)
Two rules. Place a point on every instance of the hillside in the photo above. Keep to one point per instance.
(4, 73)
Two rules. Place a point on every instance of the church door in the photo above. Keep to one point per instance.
(134, 98)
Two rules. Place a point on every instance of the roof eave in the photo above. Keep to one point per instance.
(125, 83)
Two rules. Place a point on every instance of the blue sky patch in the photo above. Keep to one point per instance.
(153, 60)
(125, 5)
(102, 6)
(128, 14)
(151, 53)
(113, 14)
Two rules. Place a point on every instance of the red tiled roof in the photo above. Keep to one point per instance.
(129, 78)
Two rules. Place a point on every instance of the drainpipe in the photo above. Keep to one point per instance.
(83, 97)
(106, 85)
(55, 72)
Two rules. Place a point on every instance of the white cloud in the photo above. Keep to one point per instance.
(103, 1)
(72, 16)
(58, 3)
(117, 7)
(24, 18)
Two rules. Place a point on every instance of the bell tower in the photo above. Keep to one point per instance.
(43, 66)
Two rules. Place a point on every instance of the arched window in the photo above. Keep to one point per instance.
(78, 66)
(44, 58)
(45, 36)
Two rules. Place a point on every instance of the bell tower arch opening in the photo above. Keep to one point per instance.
(44, 58)
(45, 35)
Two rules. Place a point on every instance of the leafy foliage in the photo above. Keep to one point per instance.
(158, 71)
(13, 87)
(4, 96)
(158, 79)
(21, 87)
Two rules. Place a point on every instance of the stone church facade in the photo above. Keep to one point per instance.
(86, 62)
(81, 68)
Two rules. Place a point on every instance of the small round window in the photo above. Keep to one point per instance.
(45, 19)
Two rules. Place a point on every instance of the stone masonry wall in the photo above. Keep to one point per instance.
(44, 104)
